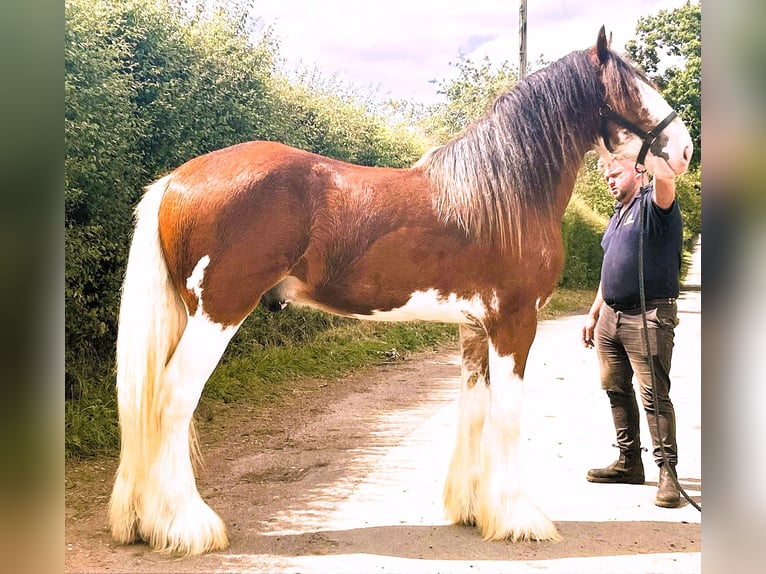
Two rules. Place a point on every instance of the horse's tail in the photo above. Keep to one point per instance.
(151, 321)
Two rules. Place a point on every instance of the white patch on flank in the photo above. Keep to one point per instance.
(432, 306)
(194, 282)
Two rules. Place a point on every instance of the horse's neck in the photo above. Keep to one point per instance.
(565, 190)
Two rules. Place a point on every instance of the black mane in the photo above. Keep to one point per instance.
(503, 171)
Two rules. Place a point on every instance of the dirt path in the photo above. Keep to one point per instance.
(348, 476)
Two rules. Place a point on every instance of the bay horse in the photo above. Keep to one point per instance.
(471, 234)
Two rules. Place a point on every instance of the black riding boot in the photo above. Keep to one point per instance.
(668, 495)
(628, 468)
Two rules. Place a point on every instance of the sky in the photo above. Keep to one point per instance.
(395, 48)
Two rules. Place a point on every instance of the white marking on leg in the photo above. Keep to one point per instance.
(503, 509)
(174, 516)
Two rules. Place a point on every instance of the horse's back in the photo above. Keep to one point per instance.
(258, 209)
(237, 169)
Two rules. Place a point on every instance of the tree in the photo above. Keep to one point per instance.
(669, 49)
(468, 96)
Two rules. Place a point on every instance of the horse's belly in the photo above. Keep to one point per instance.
(423, 305)
(431, 305)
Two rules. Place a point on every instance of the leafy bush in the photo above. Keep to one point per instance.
(689, 194)
(581, 229)
(103, 173)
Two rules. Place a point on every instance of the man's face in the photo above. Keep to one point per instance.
(621, 178)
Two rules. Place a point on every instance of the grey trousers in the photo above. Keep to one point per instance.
(620, 345)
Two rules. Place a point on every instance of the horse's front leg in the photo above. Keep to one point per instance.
(465, 467)
(503, 510)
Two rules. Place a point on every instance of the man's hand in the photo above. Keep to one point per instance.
(587, 331)
(590, 323)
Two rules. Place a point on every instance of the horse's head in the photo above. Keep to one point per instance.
(636, 121)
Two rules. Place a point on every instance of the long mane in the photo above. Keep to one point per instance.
(502, 173)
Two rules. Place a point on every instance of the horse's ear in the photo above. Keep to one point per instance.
(602, 45)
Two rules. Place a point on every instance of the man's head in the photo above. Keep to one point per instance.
(621, 177)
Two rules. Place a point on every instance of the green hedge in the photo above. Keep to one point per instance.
(147, 89)
(582, 230)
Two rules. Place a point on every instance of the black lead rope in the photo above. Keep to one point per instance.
(642, 298)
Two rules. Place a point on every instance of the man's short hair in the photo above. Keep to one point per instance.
(605, 161)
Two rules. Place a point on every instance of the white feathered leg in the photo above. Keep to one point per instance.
(173, 517)
(465, 466)
(503, 509)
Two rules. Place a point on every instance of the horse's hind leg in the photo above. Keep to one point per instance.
(503, 509)
(465, 468)
(172, 515)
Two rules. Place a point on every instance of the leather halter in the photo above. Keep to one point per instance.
(648, 138)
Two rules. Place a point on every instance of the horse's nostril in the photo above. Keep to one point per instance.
(687, 153)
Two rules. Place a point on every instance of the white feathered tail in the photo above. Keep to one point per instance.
(152, 319)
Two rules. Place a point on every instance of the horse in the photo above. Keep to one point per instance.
(470, 234)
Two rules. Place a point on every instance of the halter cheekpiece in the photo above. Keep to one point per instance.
(607, 113)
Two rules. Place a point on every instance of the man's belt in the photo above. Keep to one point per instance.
(636, 305)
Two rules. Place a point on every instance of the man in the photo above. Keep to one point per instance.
(615, 324)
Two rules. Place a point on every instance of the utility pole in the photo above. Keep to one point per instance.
(522, 39)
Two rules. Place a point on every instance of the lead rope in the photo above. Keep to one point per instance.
(642, 298)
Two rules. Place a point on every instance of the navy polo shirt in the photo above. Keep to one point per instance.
(663, 240)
